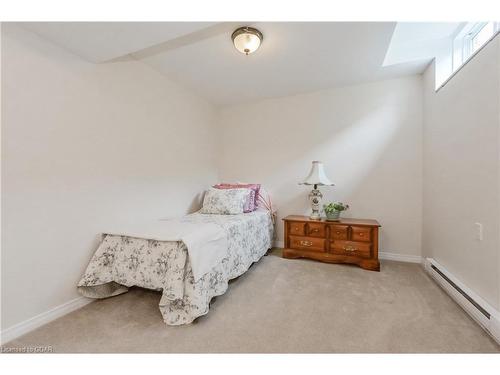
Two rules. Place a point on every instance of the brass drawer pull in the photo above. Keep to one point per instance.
(315, 230)
(350, 248)
(306, 243)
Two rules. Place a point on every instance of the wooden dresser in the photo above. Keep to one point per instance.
(343, 241)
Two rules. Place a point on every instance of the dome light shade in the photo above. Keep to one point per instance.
(247, 39)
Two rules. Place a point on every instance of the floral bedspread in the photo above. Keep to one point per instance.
(121, 262)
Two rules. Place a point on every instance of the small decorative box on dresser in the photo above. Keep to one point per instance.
(343, 241)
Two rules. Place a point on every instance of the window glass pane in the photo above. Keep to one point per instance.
(466, 41)
(483, 36)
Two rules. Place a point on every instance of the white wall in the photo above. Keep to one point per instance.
(461, 172)
(86, 146)
(369, 137)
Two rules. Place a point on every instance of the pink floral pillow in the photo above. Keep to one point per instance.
(251, 204)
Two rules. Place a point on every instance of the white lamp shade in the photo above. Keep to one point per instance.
(317, 175)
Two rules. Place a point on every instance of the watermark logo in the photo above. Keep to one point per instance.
(26, 349)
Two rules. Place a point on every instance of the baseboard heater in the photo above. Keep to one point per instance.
(459, 290)
(481, 311)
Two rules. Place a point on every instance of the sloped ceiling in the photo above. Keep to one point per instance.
(294, 57)
(419, 41)
(99, 42)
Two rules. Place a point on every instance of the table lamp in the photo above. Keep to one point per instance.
(316, 177)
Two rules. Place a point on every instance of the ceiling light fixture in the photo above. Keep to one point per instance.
(247, 39)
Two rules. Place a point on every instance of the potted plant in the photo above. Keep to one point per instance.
(333, 210)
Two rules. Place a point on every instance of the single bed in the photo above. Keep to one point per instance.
(122, 261)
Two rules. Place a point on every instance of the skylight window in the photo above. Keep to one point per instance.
(468, 40)
(482, 36)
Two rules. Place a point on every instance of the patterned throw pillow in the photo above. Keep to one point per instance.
(252, 203)
(224, 201)
(249, 205)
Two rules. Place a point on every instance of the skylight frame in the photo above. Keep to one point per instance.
(462, 50)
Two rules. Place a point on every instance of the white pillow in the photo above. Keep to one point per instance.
(224, 201)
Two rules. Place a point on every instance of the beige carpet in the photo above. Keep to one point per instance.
(283, 305)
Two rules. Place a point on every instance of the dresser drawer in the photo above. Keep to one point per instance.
(339, 232)
(353, 241)
(297, 229)
(316, 230)
(361, 234)
(351, 248)
(307, 243)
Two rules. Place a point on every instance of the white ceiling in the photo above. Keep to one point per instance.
(294, 57)
(412, 41)
(103, 41)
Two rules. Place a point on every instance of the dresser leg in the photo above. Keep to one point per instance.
(371, 265)
(289, 254)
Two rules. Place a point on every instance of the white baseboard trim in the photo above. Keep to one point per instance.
(400, 257)
(280, 244)
(491, 325)
(39, 320)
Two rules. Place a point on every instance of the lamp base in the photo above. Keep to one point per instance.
(315, 216)
(315, 197)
